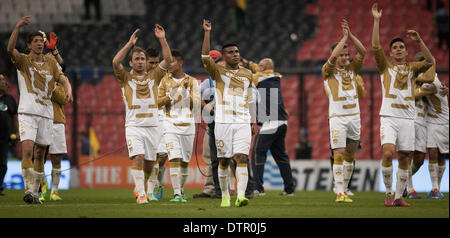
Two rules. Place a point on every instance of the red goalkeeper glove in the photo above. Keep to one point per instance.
(51, 43)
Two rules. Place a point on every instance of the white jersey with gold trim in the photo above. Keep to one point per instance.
(438, 112)
(140, 96)
(36, 84)
(232, 92)
(179, 112)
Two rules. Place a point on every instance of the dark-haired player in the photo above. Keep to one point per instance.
(397, 111)
(232, 115)
(37, 76)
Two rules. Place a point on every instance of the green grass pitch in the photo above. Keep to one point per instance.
(120, 203)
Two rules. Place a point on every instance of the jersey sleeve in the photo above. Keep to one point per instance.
(158, 74)
(121, 75)
(59, 96)
(428, 71)
(360, 87)
(210, 66)
(57, 70)
(328, 70)
(380, 58)
(357, 64)
(163, 98)
(19, 61)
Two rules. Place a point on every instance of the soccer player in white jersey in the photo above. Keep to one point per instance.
(139, 90)
(155, 179)
(180, 96)
(343, 89)
(37, 76)
(397, 111)
(420, 127)
(437, 119)
(233, 115)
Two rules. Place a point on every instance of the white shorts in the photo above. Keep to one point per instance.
(162, 146)
(437, 137)
(232, 139)
(162, 142)
(343, 128)
(421, 138)
(179, 146)
(398, 131)
(35, 128)
(142, 141)
(58, 145)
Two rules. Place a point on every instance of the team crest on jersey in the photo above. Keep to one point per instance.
(335, 141)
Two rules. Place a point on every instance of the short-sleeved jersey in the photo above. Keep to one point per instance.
(179, 114)
(140, 96)
(437, 112)
(59, 100)
(232, 92)
(343, 88)
(398, 85)
(36, 84)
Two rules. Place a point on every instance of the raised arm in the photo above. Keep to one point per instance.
(120, 56)
(11, 49)
(376, 25)
(51, 45)
(167, 55)
(414, 35)
(358, 45)
(206, 37)
(337, 50)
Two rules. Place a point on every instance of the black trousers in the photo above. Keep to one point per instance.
(276, 143)
(3, 161)
(214, 159)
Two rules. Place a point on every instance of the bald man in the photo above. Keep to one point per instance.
(272, 117)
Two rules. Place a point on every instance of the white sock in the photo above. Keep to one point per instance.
(38, 177)
(338, 173)
(441, 170)
(138, 177)
(56, 176)
(433, 169)
(231, 179)
(387, 177)
(151, 182)
(28, 178)
(184, 175)
(242, 179)
(402, 179)
(223, 181)
(348, 170)
(175, 179)
(162, 169)
(410, 183)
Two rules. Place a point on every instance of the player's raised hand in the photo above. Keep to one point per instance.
(206, 25)
(23, 21)
(414, 35)
(134, 38)
(375, 13)
(345, 29)
(345, 26)
(51, 43)
(159, 31)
